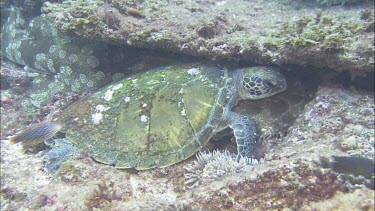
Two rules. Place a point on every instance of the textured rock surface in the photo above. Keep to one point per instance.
(262, 32)
(320, 115)
(288, 177)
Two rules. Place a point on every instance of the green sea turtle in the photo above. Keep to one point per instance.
(166, 115)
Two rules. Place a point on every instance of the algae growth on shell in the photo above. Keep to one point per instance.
(165, 115)
(148, 119)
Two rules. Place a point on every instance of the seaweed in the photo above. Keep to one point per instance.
(330, 35)
(102, 196)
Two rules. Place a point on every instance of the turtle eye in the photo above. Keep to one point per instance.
(269, 84)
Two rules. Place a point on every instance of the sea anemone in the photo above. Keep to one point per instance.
(212, 165)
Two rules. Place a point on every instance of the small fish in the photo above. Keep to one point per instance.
(36, 133)
(351, 165)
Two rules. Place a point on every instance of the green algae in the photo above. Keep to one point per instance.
(219, 31)
(328, 34)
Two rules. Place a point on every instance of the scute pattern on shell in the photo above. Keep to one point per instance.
(154, 119)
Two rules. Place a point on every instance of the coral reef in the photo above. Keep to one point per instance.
(289, 177)
(347, 123)
(289, 185)
(14, 91)
(351, 182)
(281, 187)
(213, 165)
(261, 32)
(319, 116)
(358, 200)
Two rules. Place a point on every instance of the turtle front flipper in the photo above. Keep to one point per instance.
(245, 132)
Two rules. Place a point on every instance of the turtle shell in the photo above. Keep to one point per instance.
(154, 119)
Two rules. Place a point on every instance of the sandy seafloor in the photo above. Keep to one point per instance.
(336, 121)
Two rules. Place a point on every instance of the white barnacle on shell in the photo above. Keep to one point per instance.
(108, 95)
(96, 118)
(193, 71)
(183, 112)
(116, 87)
(144, 118)
(101, 108)
(127, 99)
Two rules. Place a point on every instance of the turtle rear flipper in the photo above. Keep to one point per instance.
(61, 152)
(245, 132)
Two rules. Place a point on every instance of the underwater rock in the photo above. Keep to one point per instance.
(360, 199)
(277, 187)
(289, 177)
(337, 122)
(102, 196)
(340, 38)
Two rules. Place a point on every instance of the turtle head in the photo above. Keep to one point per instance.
(259, 82)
